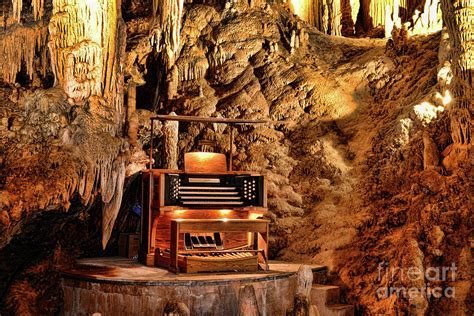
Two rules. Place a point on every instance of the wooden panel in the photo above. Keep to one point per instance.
(146, 241)
(205, 162)
(196, 264)
(128, 245)
(157, 172)
(174, 247)
(164, 225)
(216, 225)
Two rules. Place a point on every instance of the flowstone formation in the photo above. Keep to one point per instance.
(372, 167)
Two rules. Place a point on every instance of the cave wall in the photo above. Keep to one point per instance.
(370, 17)
(63, 151)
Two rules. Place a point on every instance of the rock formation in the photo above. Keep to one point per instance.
(370, 17)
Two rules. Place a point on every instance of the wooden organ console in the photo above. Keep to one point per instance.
(205, 217)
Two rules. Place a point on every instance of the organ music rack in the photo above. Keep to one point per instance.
(204, 218)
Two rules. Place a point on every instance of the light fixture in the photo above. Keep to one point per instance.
(225, 212)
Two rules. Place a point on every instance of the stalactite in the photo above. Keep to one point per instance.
(132, 118)
(429, 20)
(457, 16)
(166, 35)
(76, 31)
(17, 8)
(86, 46)
(390, 13)
(38, 8)
(111, 208)
(350, 9)
(18, 46)
(326, 15)
(193, 70)
(392, 18)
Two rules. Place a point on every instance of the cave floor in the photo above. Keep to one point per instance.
(129, 271)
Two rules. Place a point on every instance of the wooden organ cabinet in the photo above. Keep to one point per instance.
(205, 217)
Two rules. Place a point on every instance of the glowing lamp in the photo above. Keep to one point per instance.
(179, 212)
(254, 215)
(205, 162)
(225, 212)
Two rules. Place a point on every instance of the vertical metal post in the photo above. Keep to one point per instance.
(151, 144)
(231, 152)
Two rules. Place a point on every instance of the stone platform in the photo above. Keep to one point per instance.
(120, 286)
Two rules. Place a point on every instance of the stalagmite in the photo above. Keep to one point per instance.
(170, 146)
(172, 82)
(304, 280)
(430, 152)
(132, 118)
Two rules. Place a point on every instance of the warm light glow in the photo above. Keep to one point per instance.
(204, 155)
(93, 4)
(179, 212)
(300, 8)
(225, 212)
(446, 99)
(225, 219)
(205, 162)
(426, 112)
(254, 215)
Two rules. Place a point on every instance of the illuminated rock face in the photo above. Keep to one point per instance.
(86, 43)
(18, 47)
(168, 15)
(340, 17)
(459, 21)
(82, 41)
(77, 31)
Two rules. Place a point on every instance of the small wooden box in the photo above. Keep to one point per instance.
(128, 244)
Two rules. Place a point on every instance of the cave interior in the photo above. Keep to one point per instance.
(236, 157)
